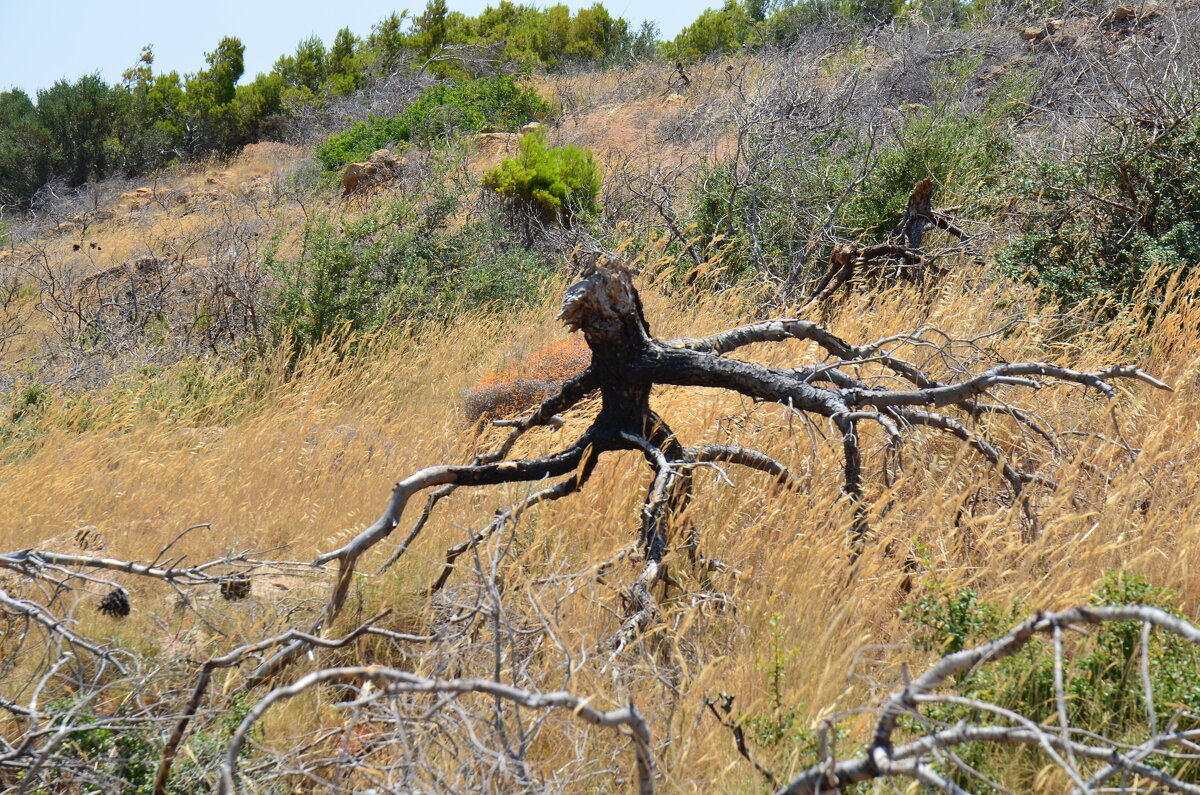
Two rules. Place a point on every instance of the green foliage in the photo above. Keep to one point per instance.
(783, 27)
(1104, 691)
(715, 32)
(545, 38)
(78, 119)
(562, 182)
(440, 112)
(87, 129)
(780, 725)
(780, 722)
(24, 147)
(305, 69)
(1099, 226)
(128, 751)
(126, 754)
(209, 100)
(765, 216)
(399, 264)
(429, 29)
(32, 401)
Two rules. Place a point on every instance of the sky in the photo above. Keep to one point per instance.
(42, 41)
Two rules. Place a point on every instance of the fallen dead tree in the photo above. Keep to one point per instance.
(628, 363)
(895, 394)
(57, 676)
(901, 253)
(391, 685)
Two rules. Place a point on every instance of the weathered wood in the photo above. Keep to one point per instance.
(627, 363)
(901, 251)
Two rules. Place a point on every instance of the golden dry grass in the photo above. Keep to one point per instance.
(307, 462)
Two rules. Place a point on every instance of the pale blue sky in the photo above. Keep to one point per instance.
(42, 41)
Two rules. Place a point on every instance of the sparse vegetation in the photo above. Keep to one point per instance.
(1102, 223)
(215, 364)
(440, 113)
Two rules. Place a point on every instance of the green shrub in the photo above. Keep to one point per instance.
(1104, 691)
(715, 32)
(772, 216)
(561, 182)
(1096, 228)
(439, 113)
(400, 263)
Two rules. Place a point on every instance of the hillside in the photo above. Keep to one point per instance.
(216, 373)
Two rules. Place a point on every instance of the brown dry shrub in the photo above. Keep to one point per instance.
(529, 380)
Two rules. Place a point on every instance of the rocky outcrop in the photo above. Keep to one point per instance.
(381, 168)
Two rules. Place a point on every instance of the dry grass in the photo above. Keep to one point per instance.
(299, 465)
(308, 462)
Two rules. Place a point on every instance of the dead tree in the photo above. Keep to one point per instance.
(900, 252)
(628, 363)
(390, 684)
(55, 673)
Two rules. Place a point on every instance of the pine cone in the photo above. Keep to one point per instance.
(115, 603)
(235, 587)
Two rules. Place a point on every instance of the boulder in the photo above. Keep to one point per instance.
(358, 177)
(387, 159)
(497, 142)
(380, 168)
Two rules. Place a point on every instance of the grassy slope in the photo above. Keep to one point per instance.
(311, 460)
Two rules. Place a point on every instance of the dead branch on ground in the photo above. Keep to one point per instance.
(628, 363)
(928, 755)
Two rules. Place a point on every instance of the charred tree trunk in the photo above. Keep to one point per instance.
(901, 251)
(628, 362)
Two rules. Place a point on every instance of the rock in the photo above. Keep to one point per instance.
(496, 142)
(259, 186)
(533, 126)
(168, 196)
(380, 168)
(358, 177)
(1033, 34)
(1124, 18)
(992, 73)
(387, 161)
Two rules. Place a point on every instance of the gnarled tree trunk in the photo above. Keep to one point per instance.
(628, 362)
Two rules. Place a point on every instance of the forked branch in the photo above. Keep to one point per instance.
(919, 758)
(628, 363)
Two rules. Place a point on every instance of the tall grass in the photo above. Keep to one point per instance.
(309, 461)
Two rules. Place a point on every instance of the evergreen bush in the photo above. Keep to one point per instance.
(1099, 226)
(560, 182)
(462, 107)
